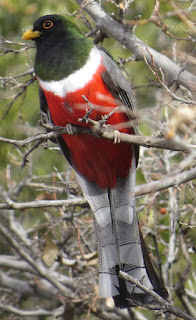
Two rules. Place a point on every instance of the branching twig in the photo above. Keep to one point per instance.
(25, 313)
(164, 183)
(39, 269)
(155, 71)
(164, 305)
(43, 204)
(124, 35)
(23, 87)
(106, 133)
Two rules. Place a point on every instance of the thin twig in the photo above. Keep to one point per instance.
(164, 183)
(25, 313)
(43, 272)
(106, 133)
(164, 305)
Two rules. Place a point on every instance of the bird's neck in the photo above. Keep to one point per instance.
(55, 62)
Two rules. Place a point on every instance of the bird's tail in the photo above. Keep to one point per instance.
(120, 242)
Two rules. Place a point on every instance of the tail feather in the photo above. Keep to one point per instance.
(119, 241)
(157, 284)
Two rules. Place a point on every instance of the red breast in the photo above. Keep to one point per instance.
(99, 160)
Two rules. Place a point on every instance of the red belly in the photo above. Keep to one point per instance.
(99, 160)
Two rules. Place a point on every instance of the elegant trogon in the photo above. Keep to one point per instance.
(74, 76)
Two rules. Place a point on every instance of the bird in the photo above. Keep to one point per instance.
(80, 85)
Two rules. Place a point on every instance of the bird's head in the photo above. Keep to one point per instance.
(52, 29)
(61, 48)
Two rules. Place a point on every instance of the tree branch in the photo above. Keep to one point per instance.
(13, 263)
(43, 204)
(164, 183)
(124, 35)
(172, 180)
(25, 313)
(166, 306)
(107, 133)
(43, 272)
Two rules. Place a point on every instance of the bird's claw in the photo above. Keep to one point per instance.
(116, 136)
(69, 128)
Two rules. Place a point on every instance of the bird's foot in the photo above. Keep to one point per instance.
(69, 129)
(116, 136)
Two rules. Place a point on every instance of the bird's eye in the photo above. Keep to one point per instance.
(47, 24)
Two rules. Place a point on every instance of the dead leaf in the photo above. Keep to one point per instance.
(68, 262)
(50, 252)
(45, 196)
(184, 114)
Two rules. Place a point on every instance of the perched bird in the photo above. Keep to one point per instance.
(75, 75)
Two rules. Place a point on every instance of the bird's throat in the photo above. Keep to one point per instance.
(57, 61)
(77, 80)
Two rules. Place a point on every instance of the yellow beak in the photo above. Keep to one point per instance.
(31, 34)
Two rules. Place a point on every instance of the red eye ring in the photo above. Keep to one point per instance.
(47, 24)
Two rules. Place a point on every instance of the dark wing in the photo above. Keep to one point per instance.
(59, 139)
(157, 284)
(120, 89)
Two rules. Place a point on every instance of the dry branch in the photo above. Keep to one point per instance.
(106, 133)
(25, 313)
(172, 180)
(124, 35)
(40, 269)
(164, 305)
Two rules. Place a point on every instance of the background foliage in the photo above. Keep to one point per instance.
(61, 239)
